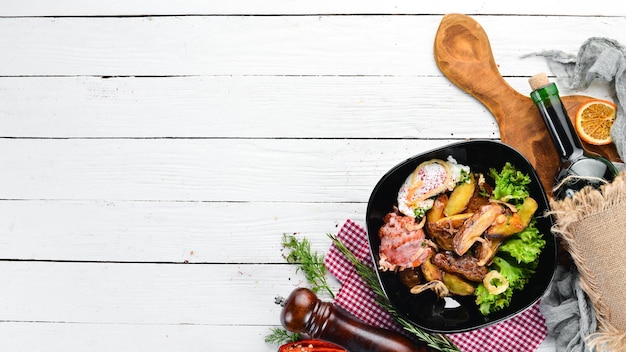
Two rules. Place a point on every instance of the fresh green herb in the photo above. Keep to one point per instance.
(420, 212)
(439, 342)
(517, 276)
(525, 246)
(465, 177)
(521, 251)
(310, 263)
(489, 303)
(279, 336)
(510, 184)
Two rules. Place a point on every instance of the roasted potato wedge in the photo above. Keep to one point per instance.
(457, 285)
(430, 271)
(515, 222)
(460, 197)
(510, 224)
(527, 210)
(436, 212)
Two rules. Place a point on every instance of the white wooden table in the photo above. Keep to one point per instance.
(153, 153)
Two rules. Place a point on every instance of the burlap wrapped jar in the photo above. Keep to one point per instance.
(592, 226)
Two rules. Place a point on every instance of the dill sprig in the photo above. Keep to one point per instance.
(439, 342)
(279, 336)
(312, 265)
(309, 262)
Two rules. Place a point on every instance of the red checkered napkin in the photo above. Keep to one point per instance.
(524, 332)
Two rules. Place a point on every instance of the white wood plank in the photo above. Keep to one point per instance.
(194, 232)
(173, 294)
(241, 106)
(116, 307)
(139, 302)
(248, 106)
(273, 7)
(70, 337)
(270, 45)
(79, 337)
(227, 170)
(201, 45)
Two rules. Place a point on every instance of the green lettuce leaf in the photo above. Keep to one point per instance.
(510, 184)
(525, 246)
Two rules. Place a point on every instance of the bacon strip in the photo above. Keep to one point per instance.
(402, 243)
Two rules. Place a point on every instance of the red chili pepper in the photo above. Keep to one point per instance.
(310, 346)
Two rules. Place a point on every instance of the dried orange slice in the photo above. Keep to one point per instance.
(594, 120)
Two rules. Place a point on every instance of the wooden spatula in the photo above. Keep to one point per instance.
(463, 54)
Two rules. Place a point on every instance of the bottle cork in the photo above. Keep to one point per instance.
(539, 80)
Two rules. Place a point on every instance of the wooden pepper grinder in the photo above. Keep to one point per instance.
(304, 312)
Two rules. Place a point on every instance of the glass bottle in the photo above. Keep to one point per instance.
(578, 168)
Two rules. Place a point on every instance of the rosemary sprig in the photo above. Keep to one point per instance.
(310, 263)
(439, 342)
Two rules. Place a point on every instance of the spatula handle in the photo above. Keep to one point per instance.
(463, 54)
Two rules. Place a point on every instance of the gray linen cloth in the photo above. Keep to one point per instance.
(568, 311)
(566, 308)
